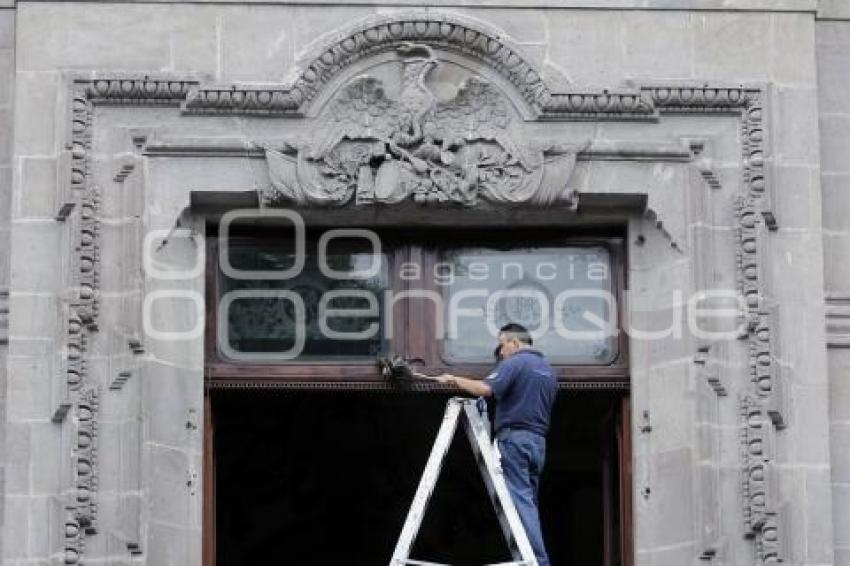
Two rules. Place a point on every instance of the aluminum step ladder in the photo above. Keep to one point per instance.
(487, 458)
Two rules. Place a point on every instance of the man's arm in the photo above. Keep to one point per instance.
(475, 387)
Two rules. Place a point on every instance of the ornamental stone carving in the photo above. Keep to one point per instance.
(372, 148)
(419, 126)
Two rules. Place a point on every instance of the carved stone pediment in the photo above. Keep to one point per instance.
(371, 147)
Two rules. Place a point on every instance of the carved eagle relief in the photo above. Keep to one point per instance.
(372, 148)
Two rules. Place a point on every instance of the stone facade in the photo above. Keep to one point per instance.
(715, 131)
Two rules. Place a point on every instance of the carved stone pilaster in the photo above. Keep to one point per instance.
(756, 461)
(85, 455)
(88, 258)
(79, 403)
(762, 404)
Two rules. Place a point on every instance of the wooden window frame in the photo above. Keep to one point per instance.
(413, 322)
(354, 375)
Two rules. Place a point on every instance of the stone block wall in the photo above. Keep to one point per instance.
(7, 85)
(833, 52)
(688, 461)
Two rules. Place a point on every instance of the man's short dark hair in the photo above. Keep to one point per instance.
(517, 331)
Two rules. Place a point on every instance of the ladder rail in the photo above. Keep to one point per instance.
(489, 462)
(427, 483)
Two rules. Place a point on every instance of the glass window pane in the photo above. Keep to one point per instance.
(561, 294)
(268, 324)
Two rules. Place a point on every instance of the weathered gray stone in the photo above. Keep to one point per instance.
(195, 41)
(28, 387)
(796, 198)
(587, 46)
(168, 545)
(39, 181)
(5, 198)
(837, 9)
(36, 238)
(16, 534)
(6, 120)
(798, 249)
(17, 470)
(657, 46)
(7, 29)
(659, 336)
(730, 46)
(793, 49)
(256, 44)
(841, 507)
(836, 248)
(680, 554)
(840, 440)
(835, 143)
(45, 440)
(173, 321)
(811, 430)
(7, 75)
(672, 414)
(672, 487)
(796, 126)
(40, 543)
(836, 202)
(819, 535)
(142, 32)
(525, 27)
(173, 406)
(169, 474)
(35, 113)
(833, 53)
(808, 319)
(839, 385)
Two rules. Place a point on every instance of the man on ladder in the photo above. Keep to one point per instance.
(524, 387)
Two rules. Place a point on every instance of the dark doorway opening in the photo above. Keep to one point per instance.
(320, 478)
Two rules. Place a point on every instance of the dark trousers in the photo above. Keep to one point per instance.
(523, 454)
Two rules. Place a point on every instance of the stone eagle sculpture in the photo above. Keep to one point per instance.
(374, 149)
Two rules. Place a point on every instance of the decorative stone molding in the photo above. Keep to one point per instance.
(377, 150)
(761, 405)
(80, 392)
(643, 104)
(755, 441)
(85, 454)
(470, 40)
(384, 34)
(701, 99)
(137, 91)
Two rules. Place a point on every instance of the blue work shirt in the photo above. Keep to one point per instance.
(524, 386)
